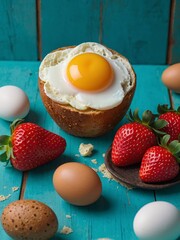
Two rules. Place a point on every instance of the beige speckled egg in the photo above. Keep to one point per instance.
(29, 219)
(171, 77)
(77, 183)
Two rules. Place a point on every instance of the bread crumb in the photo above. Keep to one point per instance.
(3, 198)
(77, 155)
(68, 216)
(66, 230)
(105, 172)
(108, 175)
(94, 161)
(103, 155)
(86, 149)
(14, 189)
(95, 169)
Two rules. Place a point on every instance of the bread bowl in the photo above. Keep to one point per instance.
(88, 122)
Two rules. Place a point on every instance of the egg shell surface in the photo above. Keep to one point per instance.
(171, 77)
(157, 221)
(29, 219)
(14, 103)
(77, 183)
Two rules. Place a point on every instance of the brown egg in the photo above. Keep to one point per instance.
(171, 77)
(29, 219)
(77, 183)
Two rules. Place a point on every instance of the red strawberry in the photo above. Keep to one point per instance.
(30, 146)
(133, 139)
(159, 163)
(173, 119)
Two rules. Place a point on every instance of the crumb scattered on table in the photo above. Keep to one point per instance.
(3, 198)
(94, 161)
(95, 169)
(103, 155)
(66, 230)
(14, 189)
(86, 149)
(108, 175)
(105, 172)
(68, 216)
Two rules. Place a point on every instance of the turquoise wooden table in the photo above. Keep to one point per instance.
(112, 215)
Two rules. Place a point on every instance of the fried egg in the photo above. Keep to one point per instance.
(86, 76)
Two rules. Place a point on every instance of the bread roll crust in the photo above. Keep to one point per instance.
(89, 122)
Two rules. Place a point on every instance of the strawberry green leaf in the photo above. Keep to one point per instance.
(131, 114)
(3, 157)
(15, 123)
(136, 115)
(174, 147)
(147, 117)
(2, 148)
(4, 140)
(165, 140)
(148, 120)
(158, 132)
(164, 109)
(160, 123)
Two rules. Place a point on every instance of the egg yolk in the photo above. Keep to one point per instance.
(89, 72)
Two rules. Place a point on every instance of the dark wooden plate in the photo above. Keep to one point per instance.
(130, 175)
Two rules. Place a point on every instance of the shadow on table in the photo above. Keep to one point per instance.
(101, 205)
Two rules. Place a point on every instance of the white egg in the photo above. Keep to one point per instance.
(14, 103)
(53, 72)
(157, 221)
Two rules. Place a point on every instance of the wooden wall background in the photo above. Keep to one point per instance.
(146, 32)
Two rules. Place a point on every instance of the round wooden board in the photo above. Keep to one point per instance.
(130, 175)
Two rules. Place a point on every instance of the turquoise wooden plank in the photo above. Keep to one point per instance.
(151, 90)
(66, 23)
(18, 35)
(113, 214)
(117, 206)
(175, 41)
(10, 75)
(137, 29)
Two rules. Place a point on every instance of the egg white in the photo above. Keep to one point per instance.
(53, 72)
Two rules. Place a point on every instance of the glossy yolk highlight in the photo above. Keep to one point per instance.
(89, 72)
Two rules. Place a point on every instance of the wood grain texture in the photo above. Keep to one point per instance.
(112, 215)
(137, 29)
(66, 23)
(18, 37)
